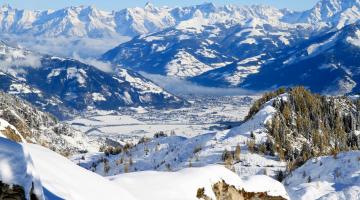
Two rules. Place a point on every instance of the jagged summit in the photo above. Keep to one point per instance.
(149, 6)
(336, 13)
(6, 7)
(71, 21)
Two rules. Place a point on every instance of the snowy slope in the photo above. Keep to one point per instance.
(172, 52)
(45, 173)
(183, 52)
(16, 168)
(175, 152)
(327, 63)
(183, 184)
(326, 178)
(63, 179)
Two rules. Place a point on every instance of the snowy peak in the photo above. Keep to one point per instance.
(88, 21)
(207, 7)
(83, 21)
(328, 8)
(149, 7)
(6, 7)
(336, 13)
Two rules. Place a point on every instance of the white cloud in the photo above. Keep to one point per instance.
(85, 50)
(15, 65)
(182, 87)
(103, 66)
(66, 46)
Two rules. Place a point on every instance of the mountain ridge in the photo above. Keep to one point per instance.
(65, 86)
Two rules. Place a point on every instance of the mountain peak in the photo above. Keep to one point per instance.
(6, 7)
(149, 6)
(337, 13)
(335, 5)
(208, 7)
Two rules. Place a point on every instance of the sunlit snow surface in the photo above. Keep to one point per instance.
(64, 179)
(16, 167)
(326, 178)
(183, 184)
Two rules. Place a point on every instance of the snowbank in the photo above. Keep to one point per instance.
(16, 167)
(63, 179)
(183, 184)
(327, 178)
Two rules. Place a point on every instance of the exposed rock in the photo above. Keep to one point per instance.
(11, 134)
(13, 192)
(224, 191)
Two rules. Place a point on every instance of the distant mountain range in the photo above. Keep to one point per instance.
(91, 22)
(259, 50)
(88, 21)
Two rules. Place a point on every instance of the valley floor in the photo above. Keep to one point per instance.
(206, 114)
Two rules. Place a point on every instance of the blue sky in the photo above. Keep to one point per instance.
(119, 4)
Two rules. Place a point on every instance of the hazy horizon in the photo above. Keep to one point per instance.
(115, 5)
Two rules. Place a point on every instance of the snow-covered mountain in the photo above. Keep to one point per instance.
(187, 53)
(325, 64)
(66, 31)
(61, 85)
(330, 13)
(72, 21)
(208, 41)
(89, 21)
(173, 52)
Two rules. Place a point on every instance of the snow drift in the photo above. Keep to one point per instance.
(183, 185)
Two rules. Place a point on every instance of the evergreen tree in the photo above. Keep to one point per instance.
(237, 152)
